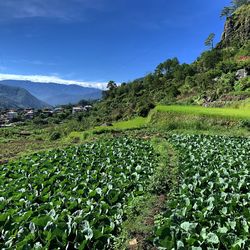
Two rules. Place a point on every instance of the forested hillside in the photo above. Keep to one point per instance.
(219, 76)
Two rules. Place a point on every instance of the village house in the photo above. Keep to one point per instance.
(29, 114)
(87, 107)
(78, 109)
(11, 115)
(58, 110)
(47, 111)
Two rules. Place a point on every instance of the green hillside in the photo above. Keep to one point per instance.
(219, 76)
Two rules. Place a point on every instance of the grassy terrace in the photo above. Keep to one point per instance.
(230, 113)
(133, 123)
(198, 110)
(123, 125)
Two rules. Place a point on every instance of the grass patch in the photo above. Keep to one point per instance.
(198, 110)
(244, 104)
(185, 118)
(75, 137)
(134, 123)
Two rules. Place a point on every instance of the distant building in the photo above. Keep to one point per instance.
(58, 110)
(78, 110)
(29, 114)
(47, 111)
(11, 115)
(87, 107)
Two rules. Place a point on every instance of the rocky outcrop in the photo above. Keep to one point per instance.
(241, 73)
(237, 28)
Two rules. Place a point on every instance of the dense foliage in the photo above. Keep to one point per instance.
(210, 210)
(72, 198)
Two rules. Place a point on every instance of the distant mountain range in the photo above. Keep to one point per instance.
(56, 94)
(15, 97)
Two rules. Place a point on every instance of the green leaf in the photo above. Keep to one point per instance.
(41, 220)
(222, 230)
(212, 238)
(180, 244)
(3, 217)
(25, 216)
(224, 210)
(187, 226)
(87, 231)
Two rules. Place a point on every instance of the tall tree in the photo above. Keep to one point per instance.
(209, 42)
(226, 12)
(235, 4)
(111, 85)
(168, 67)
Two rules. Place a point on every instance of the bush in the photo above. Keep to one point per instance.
(243, 84)
(75, 137)
(55, 136)
(227, 66)
(40, 121)
(145, 108)
(245, 124)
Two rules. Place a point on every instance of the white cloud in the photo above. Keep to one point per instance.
(52, 79)
(59, 9)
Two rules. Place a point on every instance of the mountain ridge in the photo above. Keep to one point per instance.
(16, 97)
(56, 94)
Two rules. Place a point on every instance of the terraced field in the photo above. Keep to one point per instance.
(198, 110)
(223, 113)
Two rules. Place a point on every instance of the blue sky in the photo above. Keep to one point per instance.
(94, 41)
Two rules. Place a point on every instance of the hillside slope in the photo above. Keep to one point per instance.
(56, 94)
(220, 76)
(14, 97)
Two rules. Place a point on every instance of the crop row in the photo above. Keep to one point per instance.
(72, 198)
(210, 209)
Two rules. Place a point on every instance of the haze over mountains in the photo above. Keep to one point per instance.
(56, 94)
(15, 97)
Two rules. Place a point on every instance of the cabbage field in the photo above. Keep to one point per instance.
(211, 208)
(72, 198)
(76, 198)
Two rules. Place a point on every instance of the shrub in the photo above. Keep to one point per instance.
(145, 108)
(55, 136)
(245, 124)
(242, 84)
